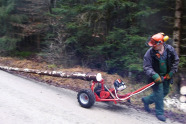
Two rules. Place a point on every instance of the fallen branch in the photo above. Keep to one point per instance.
(64, 74)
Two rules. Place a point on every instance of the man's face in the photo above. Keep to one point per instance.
(157, 46)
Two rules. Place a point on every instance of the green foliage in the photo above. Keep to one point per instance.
(105, 34)
(52, 66)
(111, 34)
(8, 19)
(124, 52)
(182, 63)
(7, 43)
(23, 54)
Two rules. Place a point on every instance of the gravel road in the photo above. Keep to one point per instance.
(24, 101)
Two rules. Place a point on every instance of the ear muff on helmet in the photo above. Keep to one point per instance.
(165, 38)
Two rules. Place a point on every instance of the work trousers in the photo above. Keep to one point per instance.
(160, 90)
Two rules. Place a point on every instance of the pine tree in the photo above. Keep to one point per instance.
(8, 18)
(100, 33)
(6, 42)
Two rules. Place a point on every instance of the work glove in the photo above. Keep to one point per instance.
(157, 78)
(169, 76)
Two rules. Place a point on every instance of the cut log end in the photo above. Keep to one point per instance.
(93, 76)
(183, 99)
(183, 90)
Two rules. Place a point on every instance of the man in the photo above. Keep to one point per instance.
(160, 61)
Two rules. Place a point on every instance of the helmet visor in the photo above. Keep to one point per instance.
(151, 42)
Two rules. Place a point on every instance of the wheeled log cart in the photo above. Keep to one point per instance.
(99, 92)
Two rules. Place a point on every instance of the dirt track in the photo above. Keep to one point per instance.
(24, 101)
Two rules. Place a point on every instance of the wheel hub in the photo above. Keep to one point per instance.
(84, 98)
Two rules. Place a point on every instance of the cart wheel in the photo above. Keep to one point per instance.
(86, 98)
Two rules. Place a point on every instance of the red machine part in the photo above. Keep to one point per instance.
(104, 94)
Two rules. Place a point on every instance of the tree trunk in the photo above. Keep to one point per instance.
(78, 75)
(38, 41)
(51, 4)
(177, 25)
(55, 3)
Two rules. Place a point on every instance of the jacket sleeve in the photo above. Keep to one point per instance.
(174, 60)
(147, 64)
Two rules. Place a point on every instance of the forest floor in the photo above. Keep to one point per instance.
(77, 84)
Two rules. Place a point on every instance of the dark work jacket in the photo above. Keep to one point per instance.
(151, 63)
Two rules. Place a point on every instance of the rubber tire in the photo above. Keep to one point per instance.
(91, 98)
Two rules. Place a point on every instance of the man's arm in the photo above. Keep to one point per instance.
(175, 61)
(147, 65)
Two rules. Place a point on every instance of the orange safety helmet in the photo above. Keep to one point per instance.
(156, 39)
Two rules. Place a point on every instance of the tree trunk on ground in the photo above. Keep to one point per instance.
(64, 74)
(177, 25)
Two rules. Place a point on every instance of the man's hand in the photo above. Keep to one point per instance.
(157, 78)
(168, 76)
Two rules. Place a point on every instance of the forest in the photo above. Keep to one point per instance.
(108, 35)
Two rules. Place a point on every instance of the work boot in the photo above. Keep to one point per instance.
(146, 106)
(161, 117)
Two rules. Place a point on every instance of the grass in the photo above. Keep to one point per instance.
(22, 54)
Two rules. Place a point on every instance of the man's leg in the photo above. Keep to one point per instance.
(157, 98)
(166, 87)
(150, 99)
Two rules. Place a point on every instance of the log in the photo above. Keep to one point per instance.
(182, 85)
(183, 99)
(64, 74)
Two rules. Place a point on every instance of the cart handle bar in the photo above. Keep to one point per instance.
(137, 91)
